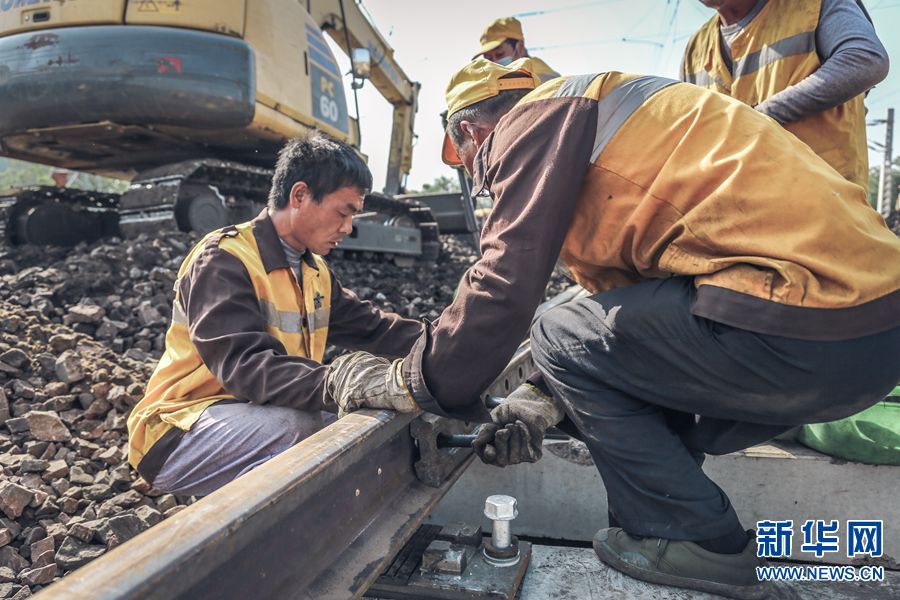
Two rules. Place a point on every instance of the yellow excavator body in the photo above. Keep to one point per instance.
(191, 100)
(117, 87)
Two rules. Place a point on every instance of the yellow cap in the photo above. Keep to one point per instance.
(479, 80)
(507, 28)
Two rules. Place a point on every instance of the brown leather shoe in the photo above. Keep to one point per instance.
(682, 564)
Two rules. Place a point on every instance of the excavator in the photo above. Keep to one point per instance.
(191, 101)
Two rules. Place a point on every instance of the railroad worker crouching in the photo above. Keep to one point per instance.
(241, 379)
(805, 63)
(740, 286)
(502, 42)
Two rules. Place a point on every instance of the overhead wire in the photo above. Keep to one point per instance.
(669, 35)
(878, 98)
(581, 5)
(547, 11)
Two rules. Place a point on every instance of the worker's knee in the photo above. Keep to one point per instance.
(545, 336)
(570, 331)
(287, 426)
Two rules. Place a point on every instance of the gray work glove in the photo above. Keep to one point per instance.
(516, 432)
(362, 380)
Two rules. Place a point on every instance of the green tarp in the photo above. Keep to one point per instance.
(872, 436)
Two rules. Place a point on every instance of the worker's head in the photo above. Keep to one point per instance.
(502, 42)
(731, 11)
(319, 184)
(477, 97)
(60, 177)
(718, 4)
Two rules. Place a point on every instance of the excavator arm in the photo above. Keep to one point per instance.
(343, 19)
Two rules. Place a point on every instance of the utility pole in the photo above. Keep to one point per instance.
(886, 199)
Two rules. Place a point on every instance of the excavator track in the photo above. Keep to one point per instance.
(48, 215)
(397, 215)
(199, 195)
(6, 204)
(203, 195)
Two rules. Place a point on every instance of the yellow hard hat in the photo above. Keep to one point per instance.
(507, 28)
(479, 80)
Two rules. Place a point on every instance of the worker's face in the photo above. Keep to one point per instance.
(731, 11)
(320, 226)
(474, 135)
(506, 52)
(731, 6)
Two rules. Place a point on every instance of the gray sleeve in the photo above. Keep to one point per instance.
(853, 60)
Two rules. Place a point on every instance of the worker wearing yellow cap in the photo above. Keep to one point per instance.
(738, 286)
(502, 42)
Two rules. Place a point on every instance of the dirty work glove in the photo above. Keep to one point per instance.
(361, 380)
(517, 429)
(505, 445)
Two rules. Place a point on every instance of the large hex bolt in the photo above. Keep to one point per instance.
(503, 549)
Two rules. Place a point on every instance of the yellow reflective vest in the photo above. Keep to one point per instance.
(182, 387)
(776, 50)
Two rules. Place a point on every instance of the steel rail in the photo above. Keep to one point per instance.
(321, 520)
(295, 525)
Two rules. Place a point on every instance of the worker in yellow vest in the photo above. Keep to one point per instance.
(739, 286)
(805, 63)
(503, 42)
(241, 379)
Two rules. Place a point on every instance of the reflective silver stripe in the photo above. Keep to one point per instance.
(722, 84)
(700, 78)
(545, 77)
(705, 80)
(575, 86)
(319, 319)
(283, 320)
(292, 322)
(802, 43)
(178, 315)
(619, 104)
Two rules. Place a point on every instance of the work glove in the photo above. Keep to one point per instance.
(361, 380)
(517, 427)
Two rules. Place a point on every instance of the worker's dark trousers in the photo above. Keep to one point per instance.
(633, 366)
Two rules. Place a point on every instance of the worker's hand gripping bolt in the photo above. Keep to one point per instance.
(516, 432)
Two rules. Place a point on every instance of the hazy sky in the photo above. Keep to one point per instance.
(433, 39)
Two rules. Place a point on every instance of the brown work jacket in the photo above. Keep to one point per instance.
(629, 178)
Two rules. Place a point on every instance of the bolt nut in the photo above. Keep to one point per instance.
(500, 508)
